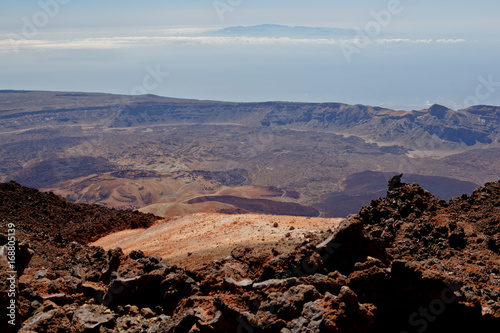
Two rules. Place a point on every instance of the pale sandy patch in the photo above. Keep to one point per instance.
(205, 236)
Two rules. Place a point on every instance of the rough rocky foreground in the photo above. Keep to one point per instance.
(406, 263)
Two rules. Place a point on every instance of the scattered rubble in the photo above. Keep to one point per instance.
(408, 262)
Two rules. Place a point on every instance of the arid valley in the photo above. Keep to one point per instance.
(172, 157)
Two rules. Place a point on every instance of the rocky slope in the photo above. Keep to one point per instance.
(407, 262)
(39, 215)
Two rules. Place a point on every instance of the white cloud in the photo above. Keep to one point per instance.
(129, 42)
(404, 40)
(450, 41)
(181, 31)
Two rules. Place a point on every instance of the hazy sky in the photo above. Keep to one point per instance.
(426, 16)
(424, 52)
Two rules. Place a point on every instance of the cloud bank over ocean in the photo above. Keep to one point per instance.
(255, 35)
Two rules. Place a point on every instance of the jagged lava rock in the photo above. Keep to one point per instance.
(407, 262)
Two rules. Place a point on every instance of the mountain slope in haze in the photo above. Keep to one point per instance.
(276, 30)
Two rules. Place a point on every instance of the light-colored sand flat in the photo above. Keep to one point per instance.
(205, 236)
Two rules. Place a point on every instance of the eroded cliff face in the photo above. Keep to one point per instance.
(408, 262)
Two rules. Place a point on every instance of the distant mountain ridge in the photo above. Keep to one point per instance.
(276, 30)
(439, 127)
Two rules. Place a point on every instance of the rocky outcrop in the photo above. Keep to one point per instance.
(407, 262)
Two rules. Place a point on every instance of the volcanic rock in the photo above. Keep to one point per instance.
(407, 262)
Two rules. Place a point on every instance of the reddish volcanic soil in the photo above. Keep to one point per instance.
(204, 236)
(407, 262)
